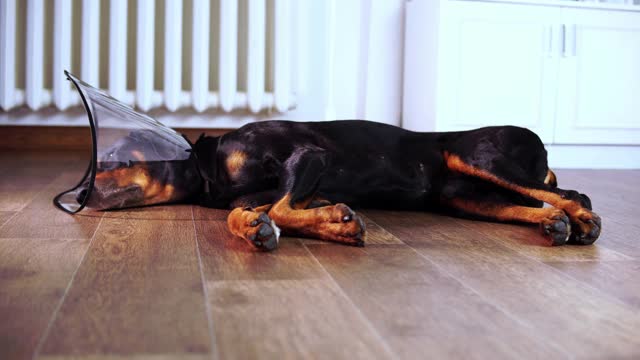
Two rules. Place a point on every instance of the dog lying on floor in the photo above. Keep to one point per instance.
(301, 178)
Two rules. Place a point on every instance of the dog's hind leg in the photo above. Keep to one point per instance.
(294, 211)
(495, 169)
(473, 198)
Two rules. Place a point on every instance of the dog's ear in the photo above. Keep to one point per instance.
(206, 149)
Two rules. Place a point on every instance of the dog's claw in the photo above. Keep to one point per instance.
(264, 218)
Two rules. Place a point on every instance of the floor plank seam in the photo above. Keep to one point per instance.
(9, 219)
(524, 324)
(563, 274)
(207, 306)
(359, 313)
(29, 201)
(54, 315)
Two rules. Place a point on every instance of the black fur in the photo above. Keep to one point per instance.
(366, 164)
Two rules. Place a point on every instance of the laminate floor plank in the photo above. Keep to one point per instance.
(279, 305)
(422, 312)
(40, 249)
(34, 274)
(5, 216)
(615, 278)
(24, 175)
(615, 198)
(527, 240)
(138, 292)
(591, 323)
(41, 219)
(169, 282)
(161, 212)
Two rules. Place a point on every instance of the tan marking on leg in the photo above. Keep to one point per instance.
(554, 223)
(505, 212)
(335, 223)
(576, 212)
(235, 161)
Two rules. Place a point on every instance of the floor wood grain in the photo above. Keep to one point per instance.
(138, 291)
(280, 304)
(170, 282)
(34, 274)
(40, 219)
(545, 299)
(395, 287)
(5, 216)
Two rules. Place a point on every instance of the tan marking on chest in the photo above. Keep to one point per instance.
(235, 161)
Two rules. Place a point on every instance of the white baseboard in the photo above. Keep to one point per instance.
(593, 156)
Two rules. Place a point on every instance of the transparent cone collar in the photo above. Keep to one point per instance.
(136, 160)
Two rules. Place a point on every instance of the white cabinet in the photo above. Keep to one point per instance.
(497, 68)
(572, 75)
(599, 78)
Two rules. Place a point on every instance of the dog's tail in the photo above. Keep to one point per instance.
(551, 179)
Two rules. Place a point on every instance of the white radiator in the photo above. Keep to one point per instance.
(240, 55)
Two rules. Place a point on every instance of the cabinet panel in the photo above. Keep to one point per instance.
(498, 67)
(599, 99)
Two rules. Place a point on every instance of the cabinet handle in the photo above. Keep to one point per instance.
(549, 31)
(564, 40)
(572, 36)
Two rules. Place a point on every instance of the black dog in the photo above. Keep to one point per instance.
(298, 176)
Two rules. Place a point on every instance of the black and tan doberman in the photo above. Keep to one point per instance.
(298, 177)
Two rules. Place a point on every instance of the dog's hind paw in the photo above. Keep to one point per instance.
(586, 229)
(556, 228)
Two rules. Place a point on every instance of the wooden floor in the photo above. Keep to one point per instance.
(171, 282)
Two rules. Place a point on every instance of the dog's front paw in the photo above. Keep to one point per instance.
(556, 228)
(345, 227)
(255, 227)
(263, 233)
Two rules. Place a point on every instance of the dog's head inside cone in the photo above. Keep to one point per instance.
(136, 160)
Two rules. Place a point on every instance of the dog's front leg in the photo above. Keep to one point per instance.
(299, 212)
(332, 222)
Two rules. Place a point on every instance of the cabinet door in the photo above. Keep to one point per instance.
(599, 91)
(498, 66)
